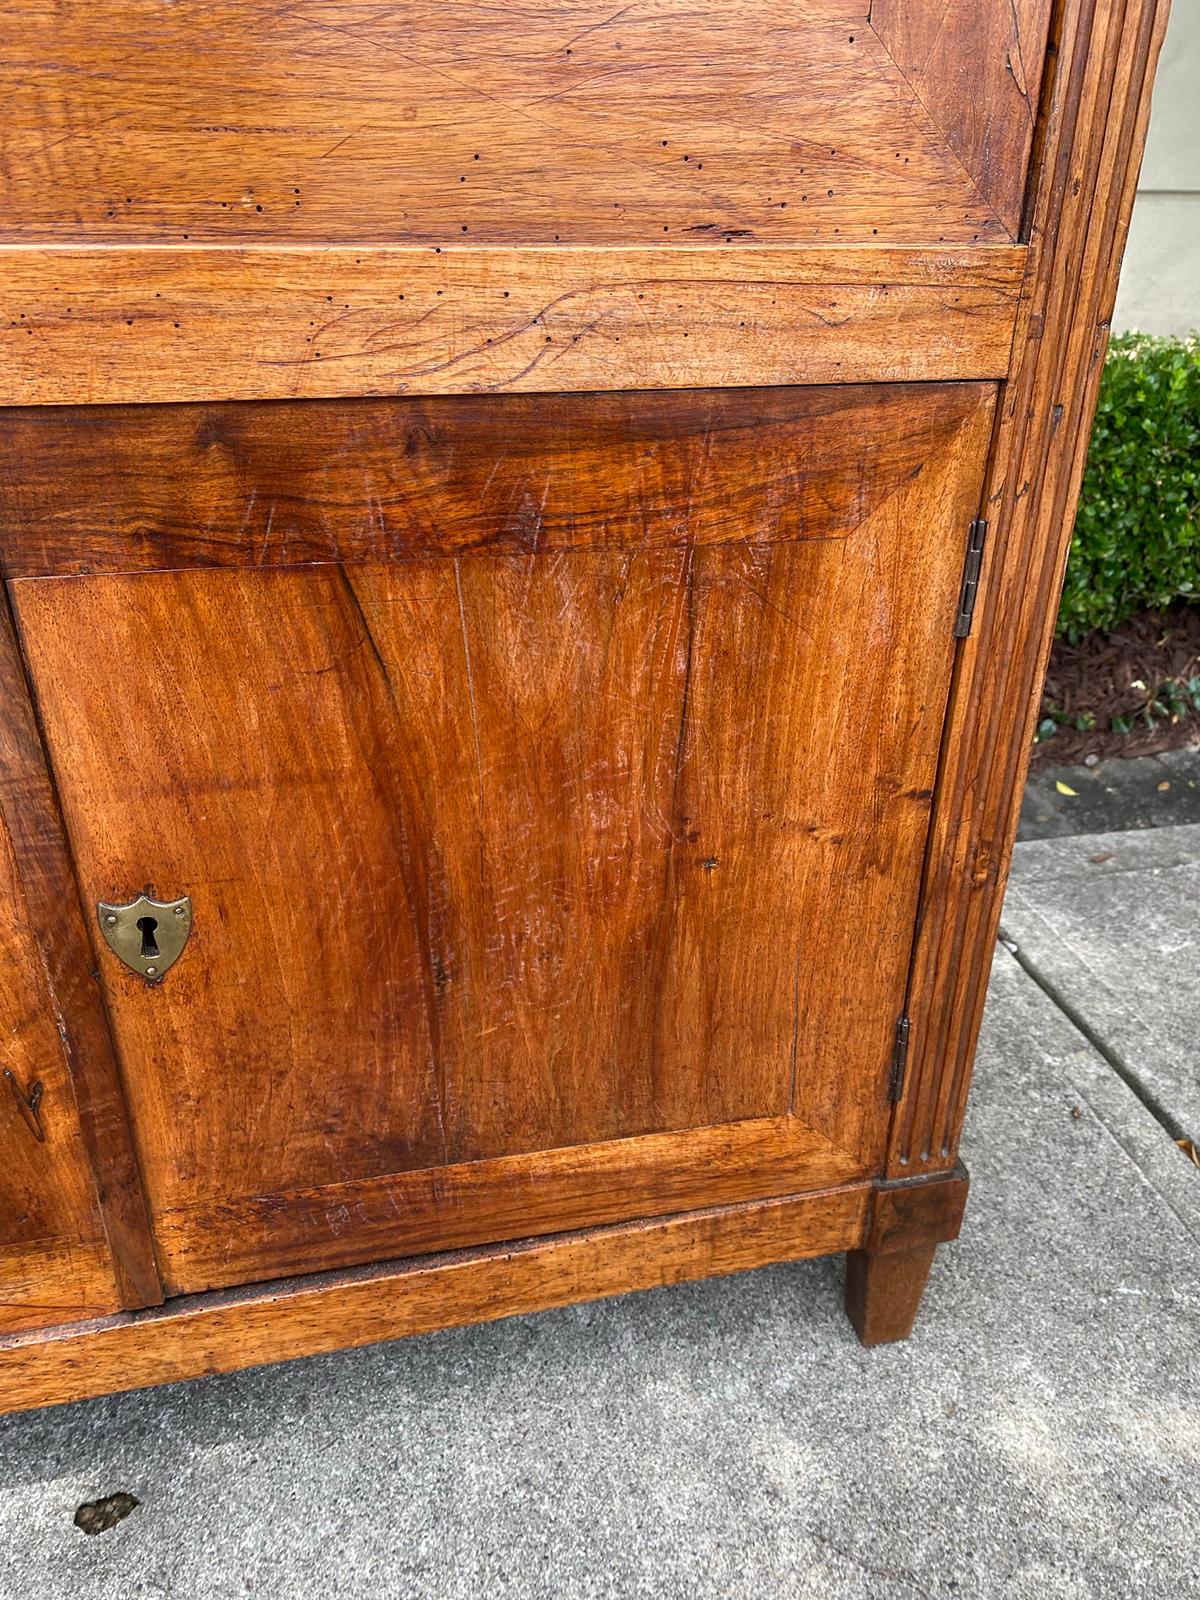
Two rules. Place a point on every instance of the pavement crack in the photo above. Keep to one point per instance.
(1127, 1073)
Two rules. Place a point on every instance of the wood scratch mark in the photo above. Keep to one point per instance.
(625, 70)
(595, 27)
(466, 644)
(689, 609)
(249, 512)
(795, 1033)
(266, 538)
(354, 132)
(418, 64)
(356, 607)
(665, 931)
(536, 320)
(1019, 74)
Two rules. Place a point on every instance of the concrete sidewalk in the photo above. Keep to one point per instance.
(1109, 924)
(1038, 1437)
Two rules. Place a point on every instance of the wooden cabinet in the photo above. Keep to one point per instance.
(536, 546)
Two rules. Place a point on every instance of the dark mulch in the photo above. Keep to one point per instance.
(1148, 666)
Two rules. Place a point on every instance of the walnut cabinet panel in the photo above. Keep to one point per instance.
(528, 553)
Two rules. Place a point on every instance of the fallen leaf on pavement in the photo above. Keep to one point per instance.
(1064, 788)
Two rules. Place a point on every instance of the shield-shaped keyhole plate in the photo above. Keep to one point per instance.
(148, 935)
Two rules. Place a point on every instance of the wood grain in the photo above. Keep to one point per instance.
(223, 1333)
(883, 1292)
(120, 489)
(494, 856)
(66, 1277)
(48, 982)
(1096, 112)
(239, 1239)
(977, 70)
(145, 324)
(54, 1261)
(126, 120)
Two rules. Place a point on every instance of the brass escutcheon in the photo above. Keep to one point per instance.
(148, 935)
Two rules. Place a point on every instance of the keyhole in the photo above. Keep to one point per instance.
(148, 926)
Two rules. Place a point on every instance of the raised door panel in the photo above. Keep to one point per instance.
(558, 121)
(550, 783)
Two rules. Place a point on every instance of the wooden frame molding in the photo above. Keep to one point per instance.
(29, 813)
(614, 1181)
(149, 323)
(109, 490)
(226, 1332)
(1095, 112)
(279, 1322)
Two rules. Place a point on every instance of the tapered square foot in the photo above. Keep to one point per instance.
(883, 1292)
(886, 1278)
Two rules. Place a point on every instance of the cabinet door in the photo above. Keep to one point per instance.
(549, 776)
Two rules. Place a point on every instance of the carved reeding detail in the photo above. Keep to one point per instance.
(1095, 108)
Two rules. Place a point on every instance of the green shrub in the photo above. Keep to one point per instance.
(1137, 535)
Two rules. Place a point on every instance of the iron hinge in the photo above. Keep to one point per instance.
(970, 582)
(899, 1060)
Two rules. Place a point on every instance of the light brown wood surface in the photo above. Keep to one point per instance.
(231, 1239)
(222, 1333)
(976, 70)
(142, 324)
(48, 983)
(54, 1260)
(265, 201)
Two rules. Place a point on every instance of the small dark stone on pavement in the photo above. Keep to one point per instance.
(97, 1516)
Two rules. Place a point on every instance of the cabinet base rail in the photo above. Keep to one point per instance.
(881, 1224)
